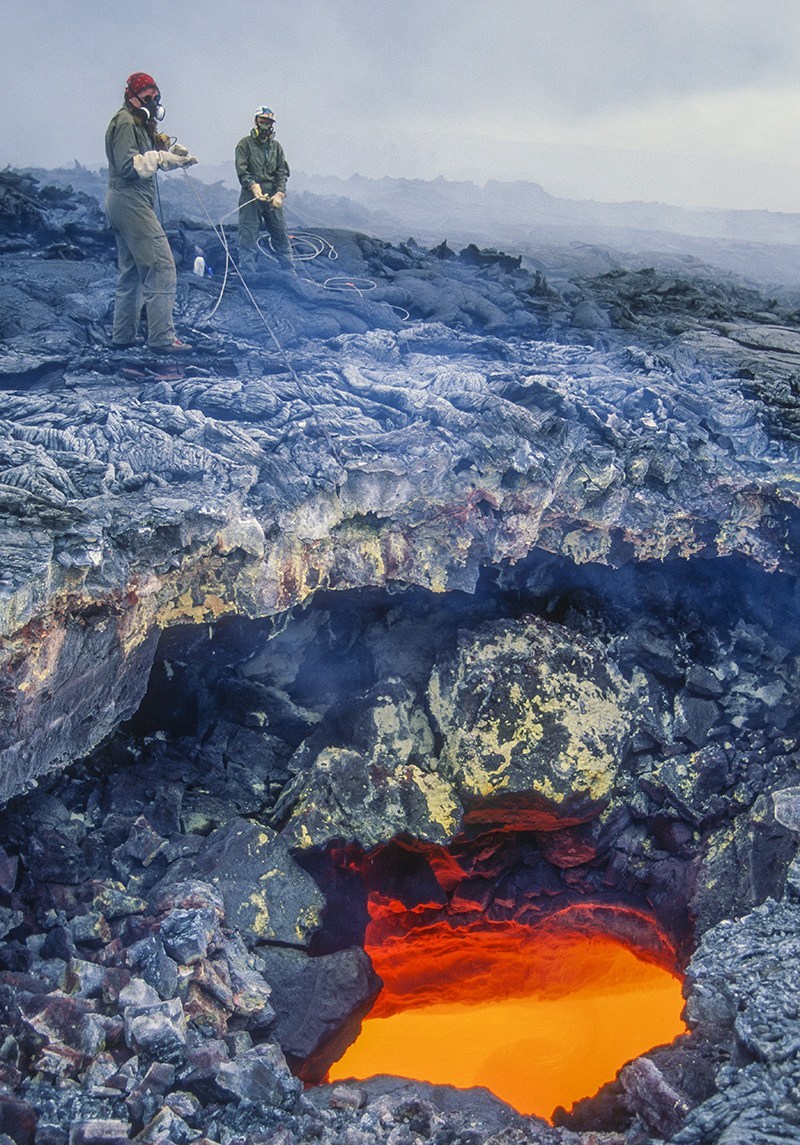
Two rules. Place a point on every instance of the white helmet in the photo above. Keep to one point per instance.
(265, 112)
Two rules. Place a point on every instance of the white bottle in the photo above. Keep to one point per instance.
(199, 267)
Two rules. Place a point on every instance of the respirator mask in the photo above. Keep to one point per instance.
(151, 109)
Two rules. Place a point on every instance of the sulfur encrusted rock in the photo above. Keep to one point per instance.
(267, 896)
(527, 709)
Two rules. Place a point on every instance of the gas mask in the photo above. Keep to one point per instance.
(264, 129)
(151, 109)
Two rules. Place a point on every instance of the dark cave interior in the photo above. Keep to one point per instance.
(235, 713)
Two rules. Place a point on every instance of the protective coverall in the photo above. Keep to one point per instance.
(146, 266)
(265, 164)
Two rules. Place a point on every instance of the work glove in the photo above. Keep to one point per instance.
(146, 165)
(277, 199)
(169, 161)
(183, 153)
(258, 193)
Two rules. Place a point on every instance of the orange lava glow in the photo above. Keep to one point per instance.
(540, 1017)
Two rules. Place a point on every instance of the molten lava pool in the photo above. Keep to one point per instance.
(541, 1019)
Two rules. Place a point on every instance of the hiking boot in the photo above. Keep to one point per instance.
(174, 347)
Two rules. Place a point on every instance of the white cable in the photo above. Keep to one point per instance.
(319, 245)
(220, 233)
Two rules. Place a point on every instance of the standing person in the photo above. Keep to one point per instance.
(262, 170)
(135, 151)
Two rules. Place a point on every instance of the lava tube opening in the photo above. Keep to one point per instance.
(541, 1016)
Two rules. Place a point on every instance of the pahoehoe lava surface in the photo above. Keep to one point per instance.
(447, 584)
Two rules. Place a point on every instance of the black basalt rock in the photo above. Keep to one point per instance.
(319, 1003)
(267, 896)
(259, 1077)
(469, 591)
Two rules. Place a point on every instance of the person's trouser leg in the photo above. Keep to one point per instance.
(249, 226)
(143, 236)
(275, 222)
(159, 288)
(128, 297)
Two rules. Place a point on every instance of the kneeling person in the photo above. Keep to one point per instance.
(262, 170)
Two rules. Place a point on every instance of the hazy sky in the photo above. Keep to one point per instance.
(693, 102)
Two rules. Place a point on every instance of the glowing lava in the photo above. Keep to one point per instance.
(541, 1018)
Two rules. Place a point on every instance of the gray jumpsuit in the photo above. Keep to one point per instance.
(265, 164)
(146, 266)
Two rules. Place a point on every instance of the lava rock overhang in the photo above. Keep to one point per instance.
(450, 420)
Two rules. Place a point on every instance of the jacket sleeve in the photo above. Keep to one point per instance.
(123, 147)
(243, 172)
(281, 169)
